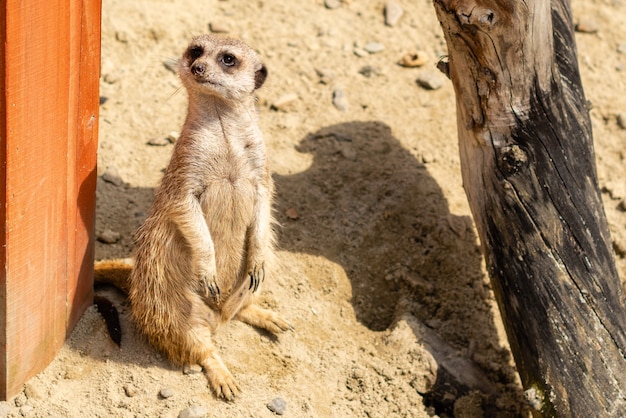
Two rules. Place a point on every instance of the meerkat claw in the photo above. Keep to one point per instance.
(252, 281)
(215, 293)
(212, 289)
(257, 276)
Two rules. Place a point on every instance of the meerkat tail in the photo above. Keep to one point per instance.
(114, 272)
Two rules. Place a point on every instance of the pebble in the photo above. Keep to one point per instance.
(277, 406)
(430, 81)
(292, 214)
(173, 136)
(374, 47)
(158, 142)
(284, 102)
(219, 27)
(130, 390)
(325, 75)
(622, 205)
(194, 411)
(360, 52)
(32, 392)
(27, 411)
(121, 37)
(189, 369)
(393, 13)
(112, 176)
(103, 100)
(332, 4)
(110, 78)
(166, 393)
(413, 59)
(621, 120)
(20, 399)
(587, 26)
(621, 48)
(109, 237)
(339, 99)
(368, 71)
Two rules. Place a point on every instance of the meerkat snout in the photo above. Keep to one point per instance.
(197, 69)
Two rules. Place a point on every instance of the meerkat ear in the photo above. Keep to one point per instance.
(260, 76)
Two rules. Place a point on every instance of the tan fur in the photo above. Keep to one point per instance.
(207, 240)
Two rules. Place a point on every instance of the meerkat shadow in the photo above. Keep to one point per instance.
(369, 205)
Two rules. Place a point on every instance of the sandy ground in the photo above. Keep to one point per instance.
(380, 269)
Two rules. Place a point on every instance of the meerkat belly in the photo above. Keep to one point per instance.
(229, 205)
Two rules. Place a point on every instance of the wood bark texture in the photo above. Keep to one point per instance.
(529, 173)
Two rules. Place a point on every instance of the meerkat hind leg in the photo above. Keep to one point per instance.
(262, 318)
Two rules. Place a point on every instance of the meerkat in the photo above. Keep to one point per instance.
(203, 250)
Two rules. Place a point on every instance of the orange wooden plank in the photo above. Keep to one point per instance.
(50, 58)
(85, 126)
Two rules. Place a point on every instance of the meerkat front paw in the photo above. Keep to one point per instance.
(257, 275)
(210, 289)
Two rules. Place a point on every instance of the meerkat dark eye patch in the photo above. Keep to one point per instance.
(228, 60)
(195, 52)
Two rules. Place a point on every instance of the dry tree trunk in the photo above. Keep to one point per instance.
(529, 173)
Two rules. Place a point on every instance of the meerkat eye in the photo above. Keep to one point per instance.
(195, 52)
(229, 60)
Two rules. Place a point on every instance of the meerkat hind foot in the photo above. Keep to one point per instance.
(221, 381)
(263, 318)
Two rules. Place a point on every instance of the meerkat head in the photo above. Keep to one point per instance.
(221, 67)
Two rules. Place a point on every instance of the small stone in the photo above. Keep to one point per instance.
(393, 13)
(112, 176)
(374, 47)
(347, 151)
(587, 26)
(158, 142)
(110, 78)
(109, 237)
(194, 411)
(360, 52)
(292, 214)
(166, 393)
(430, 81)
(121, 37)
(413, 59)
(622, 205)
(284, 102)
(103, 100)
(621, 48)
(20, 399)
(332, 4)
(219, 27)
(27, 411)
(173, 136)
(32, 392)
(130, 390)
(368, 71)
(189, 369)
(339, 99)
(277, 406)
(171, 64)
(621, 120)
(325, 75)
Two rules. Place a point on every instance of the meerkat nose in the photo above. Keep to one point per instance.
(197, 68)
